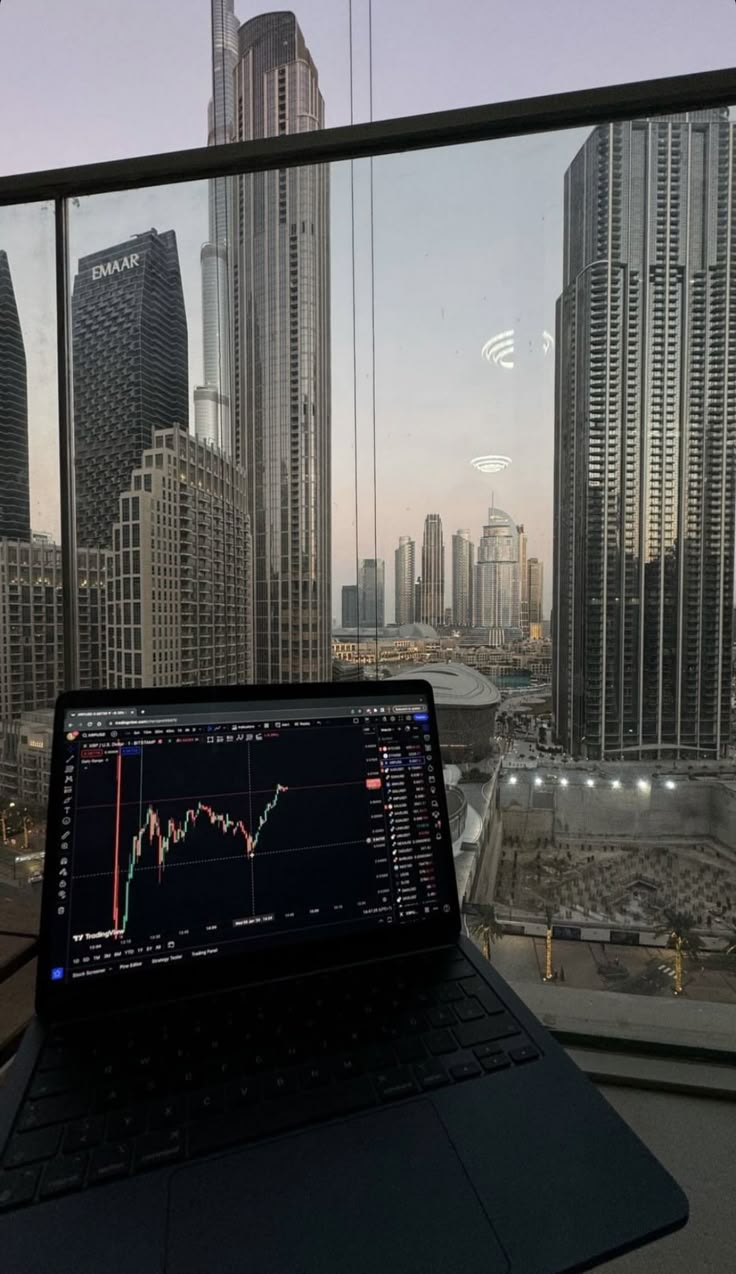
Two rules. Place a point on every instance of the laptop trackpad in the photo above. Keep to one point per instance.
(383, 1191)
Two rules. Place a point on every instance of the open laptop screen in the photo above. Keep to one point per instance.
(190, 831)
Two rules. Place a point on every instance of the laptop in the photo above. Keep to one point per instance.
(262, 1042)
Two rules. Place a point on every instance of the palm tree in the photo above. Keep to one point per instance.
(483, 926)
(549, 913)
(681, 936)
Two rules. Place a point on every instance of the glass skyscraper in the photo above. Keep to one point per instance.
(404, 580)
(463, 555)
(432, 590)
(129, 333)
(281, 352)
(496, 595)
(372, 592)
(644, 434)
(15, 517)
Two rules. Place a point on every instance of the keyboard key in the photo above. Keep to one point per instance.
(65, 1174)
(381, 1057)
(210, 1101)
(82, 1134)
(168, 1112)
(525, 1054)
(110, 1161)
(281, 1084)
(315, 1075)
(441, 1017)
(449, 992)
(439, 1042)
(52, 1110)
(489, 1028)
(243, 1092)
(53, 1057)
(411, 1049)
(495, 1062)
(29, 1147)
(17, 1187)
(431, 1074)
(274, 1117)
(465, 1070)
(111, 1096)
(122, 1124)
(347, 1067)
(398, 1082)
(487, 1050)
(482, 992)
(155, 1148)
(468, 1010)
(52, 1083)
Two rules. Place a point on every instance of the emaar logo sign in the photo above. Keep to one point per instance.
(115, 267)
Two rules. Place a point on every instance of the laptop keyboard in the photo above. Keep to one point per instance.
(121, 1096)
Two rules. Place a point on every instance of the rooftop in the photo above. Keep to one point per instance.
(455, 685)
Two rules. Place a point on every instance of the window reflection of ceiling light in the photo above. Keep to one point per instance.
(499, 349)
(491, 464)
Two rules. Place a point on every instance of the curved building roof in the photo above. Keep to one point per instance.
(455, 685)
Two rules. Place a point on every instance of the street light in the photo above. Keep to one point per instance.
(616, 783)
(590, 782)
(642, 785)
(564, 782)
(512, 779)
(669, 783)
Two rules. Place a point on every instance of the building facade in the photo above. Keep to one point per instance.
(432, 590)
(463, 562)
(31, 624)
(213, 420)
(349, 607)
(129, 334)
(404, 580)
(15, 514)
(281, 350)
(372, 592)
(179, 605)
(535, 590)
(644, 435)
(523, 583)
(496, 593)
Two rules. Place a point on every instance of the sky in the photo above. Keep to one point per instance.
(467, 240)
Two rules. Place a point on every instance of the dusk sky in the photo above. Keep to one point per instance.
(467, 240)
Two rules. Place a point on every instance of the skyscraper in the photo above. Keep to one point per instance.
(129, 334)
(349, 606)
(372, 592)
(32, 624)
(535, 590)
(463, 554)
(496, 592)
(15, 516)
(213, 421)
(645, 422)
(178, 601)
(281, 349)
(433, 572)
(523, 582)
(404, 579)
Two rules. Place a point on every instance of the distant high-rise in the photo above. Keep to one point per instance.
(213, 398)
(32, 624)
(372, 592)
(349, 606)
(496, 592)
(404, 578)
(183, 513)
(15, 517)
(535, 590)
(281, 351)
(523, 582)
(131, 376)
(433, 572)
(645, 426)
(463, 554)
